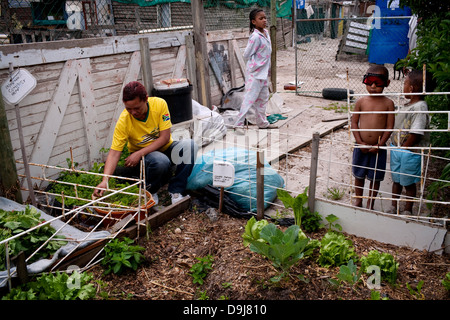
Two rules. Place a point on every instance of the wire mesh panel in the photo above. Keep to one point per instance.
(334, 42)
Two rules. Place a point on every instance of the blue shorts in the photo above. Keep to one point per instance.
(364, 164)
(406, 166)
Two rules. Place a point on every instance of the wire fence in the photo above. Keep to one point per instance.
(329, 51)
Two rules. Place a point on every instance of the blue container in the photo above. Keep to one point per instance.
(389, 37)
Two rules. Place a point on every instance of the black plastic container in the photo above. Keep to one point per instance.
(179, 101)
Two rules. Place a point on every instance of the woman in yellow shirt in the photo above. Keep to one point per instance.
(144, 125)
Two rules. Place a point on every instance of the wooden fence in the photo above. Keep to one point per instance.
(77, 99)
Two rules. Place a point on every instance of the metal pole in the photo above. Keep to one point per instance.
(313, 171)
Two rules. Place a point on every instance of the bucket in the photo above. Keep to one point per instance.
(117, 214)
(177, 94)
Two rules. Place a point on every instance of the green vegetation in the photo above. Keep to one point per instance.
(120, 255)
(386, 262)
(15, 222)
(336, 250)
(58, 286)
(200, 270)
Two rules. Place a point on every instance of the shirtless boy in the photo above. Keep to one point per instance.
(369, 161)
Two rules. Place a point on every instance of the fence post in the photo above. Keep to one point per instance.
(9, 185)
(259, 185)
(147, 73)
(313, 171)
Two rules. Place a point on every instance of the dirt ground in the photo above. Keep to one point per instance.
(240, 274)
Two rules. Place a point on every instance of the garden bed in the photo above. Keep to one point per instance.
(239, 274)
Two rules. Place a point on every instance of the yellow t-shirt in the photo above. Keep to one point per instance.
(141, 133)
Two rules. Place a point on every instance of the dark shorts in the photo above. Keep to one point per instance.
(363, 164)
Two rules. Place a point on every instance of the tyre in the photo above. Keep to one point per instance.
(335, 93)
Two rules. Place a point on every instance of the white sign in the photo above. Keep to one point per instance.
(223, 174)
(18, 86)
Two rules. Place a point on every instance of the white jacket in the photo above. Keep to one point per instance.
(257, 53)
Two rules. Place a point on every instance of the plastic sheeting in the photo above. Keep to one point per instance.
(80, 239)
(243, 191)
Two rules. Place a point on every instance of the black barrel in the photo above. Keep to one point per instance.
(179, 101)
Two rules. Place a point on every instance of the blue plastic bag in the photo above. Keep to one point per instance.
(243, 191)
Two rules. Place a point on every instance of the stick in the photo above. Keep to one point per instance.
(165, 287)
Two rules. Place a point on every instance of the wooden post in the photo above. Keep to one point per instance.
(222, 190)
(9, 185)
(190, 65)
(313, 171)
(273, 39)
(201, 54)
(260, 185)
(147, 75)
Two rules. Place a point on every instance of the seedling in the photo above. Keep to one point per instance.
(200, 270)
(347, 273)
(331, 218)
(417, 292)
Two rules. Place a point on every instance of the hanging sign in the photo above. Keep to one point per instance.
(223, 174)
(18, 86)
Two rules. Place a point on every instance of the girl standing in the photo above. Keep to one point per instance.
(257, 53)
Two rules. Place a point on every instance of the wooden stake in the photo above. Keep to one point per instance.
(260, 185)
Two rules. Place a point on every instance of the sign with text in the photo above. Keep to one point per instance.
(18, 86)
(223, 174)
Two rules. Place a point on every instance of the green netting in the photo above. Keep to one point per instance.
(283, 10)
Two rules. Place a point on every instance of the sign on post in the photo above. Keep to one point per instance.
(223, 174)
(18, 86)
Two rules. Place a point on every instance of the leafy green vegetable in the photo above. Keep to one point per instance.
(15, 222)
(59, 286)
(253, 229)
(296, 204)
(120, 255)
(336, 250)
(200, 270)
(386, 262)
(347, 273)
(284, 249)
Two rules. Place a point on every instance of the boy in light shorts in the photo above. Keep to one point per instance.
(406, 164)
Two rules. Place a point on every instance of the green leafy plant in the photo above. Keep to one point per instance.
(58, 286)
(376, 295)
(15, 222)
(347, 273)
(446, 281)
(252, 230)
(388, 265)
(336, 250)
(121, 255)
(296, 204)
(335, 193)
(417, 291)
(200, 270)
(81, 187)
(284, 249)
(311, 221)
(331, 218)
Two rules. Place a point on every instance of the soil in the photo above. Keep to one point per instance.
(239, 274)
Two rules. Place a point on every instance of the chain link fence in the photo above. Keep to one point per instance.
(336, 43)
